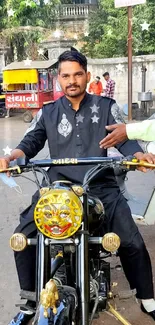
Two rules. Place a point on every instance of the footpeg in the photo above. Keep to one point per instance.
(26, 307)
(28, 295)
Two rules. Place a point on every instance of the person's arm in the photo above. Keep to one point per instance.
(142, 131)
(119, 132)
(31, 144)
(115, 117)
(129, 147)
(117, 135)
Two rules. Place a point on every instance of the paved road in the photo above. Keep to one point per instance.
(11, 203)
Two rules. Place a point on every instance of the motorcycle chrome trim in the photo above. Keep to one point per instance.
(40, 266)
(48, 241)
(82, 262)
(31, 241)
(82, 280)
(95, 240)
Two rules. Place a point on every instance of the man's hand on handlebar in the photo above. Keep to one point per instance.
(5, 161)
(4, 164)
(148, 157)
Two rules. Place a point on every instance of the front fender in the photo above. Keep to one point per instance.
(65, 311)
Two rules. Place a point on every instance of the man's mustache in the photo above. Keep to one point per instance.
(72, 86)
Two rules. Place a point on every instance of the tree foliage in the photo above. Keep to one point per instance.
(26, 26)
(108, 30)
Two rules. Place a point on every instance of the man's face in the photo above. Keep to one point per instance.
(73, 79)
(106, 77)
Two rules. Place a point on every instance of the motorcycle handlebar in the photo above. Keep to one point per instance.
(129, 163)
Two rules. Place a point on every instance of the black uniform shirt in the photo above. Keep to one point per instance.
(73, 134)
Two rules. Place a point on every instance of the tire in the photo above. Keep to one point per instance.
(27, 117)
(2, 112)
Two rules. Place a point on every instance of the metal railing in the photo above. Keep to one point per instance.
(68, 11)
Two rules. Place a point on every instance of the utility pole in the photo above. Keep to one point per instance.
(130, 63)
(129, 4)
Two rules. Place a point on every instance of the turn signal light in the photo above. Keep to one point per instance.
(18, 242)
(111, 242)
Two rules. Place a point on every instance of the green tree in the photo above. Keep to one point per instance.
(24, 24)
(108, 30)
(143, 41)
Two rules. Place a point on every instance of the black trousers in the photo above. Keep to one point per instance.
(133, 253)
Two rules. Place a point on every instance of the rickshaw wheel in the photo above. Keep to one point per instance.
(27, 117)
(2, 112)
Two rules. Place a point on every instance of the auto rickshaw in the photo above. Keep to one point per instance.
(29, 85)
(2, 98)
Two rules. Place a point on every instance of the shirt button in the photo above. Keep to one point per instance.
(70, 104)
(77, 124)
(77, 135)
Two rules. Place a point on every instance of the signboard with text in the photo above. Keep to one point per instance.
(127, 3)
(21, 100)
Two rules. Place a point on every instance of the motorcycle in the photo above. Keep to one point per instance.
(72, 274)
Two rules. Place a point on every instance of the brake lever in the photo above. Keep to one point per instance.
(15, 169)
(137, 163)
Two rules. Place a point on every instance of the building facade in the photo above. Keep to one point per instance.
(72, 23)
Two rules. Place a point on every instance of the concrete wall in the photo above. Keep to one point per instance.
(118, 69)
(2, 62)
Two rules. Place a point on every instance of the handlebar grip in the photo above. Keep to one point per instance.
(22, 161)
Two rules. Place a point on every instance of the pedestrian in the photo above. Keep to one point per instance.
(74, 125)
(120, 132)
(110, 86)
(95, 87)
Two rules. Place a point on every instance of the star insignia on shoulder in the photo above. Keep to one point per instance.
(95, 119)
(94, 108)
(79, 118)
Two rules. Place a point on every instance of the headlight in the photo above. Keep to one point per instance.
(111, 242)
(18, 242)
(58, 213)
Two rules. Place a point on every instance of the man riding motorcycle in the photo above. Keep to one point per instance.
(74, 126)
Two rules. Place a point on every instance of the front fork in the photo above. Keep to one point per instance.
(82, 268)
(40, 266)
